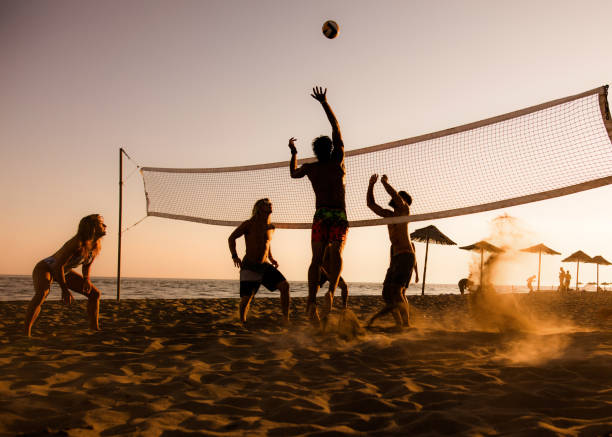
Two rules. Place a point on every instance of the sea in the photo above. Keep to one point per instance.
(19, 288)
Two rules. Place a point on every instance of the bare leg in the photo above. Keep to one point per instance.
(42, 283)
(314, 271)
(74, 281)
(284, 292)
(344, 292)
(334, 268)
(404, 309)
(386, 310)
(245, 303)
(391, 307)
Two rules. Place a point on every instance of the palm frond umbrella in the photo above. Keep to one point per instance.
(481, 247)
(599, 260)
(433, 234)
(539, 249)
(577, 257)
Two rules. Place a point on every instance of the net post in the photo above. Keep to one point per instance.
(121, 152)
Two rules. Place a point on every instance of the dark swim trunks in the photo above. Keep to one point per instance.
(254, 275)
(329, 225)
(399, 271)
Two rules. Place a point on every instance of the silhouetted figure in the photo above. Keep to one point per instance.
(561, 279)
(464, 284)
(402, 252)
(567, 280)
(255, 269)
(530, 283)
(81, 249)
(330, 225)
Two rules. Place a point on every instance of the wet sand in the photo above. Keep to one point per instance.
(186, 367)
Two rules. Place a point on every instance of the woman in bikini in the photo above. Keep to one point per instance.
(79, 250)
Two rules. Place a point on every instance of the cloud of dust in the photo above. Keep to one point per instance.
(530, 339)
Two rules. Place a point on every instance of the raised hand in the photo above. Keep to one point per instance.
(384, 179)
(373, 179)
(318, 93)
(292, 141)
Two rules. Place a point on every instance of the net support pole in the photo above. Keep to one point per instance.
(577, 272)
(121, 152)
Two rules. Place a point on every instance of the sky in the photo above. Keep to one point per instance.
(224, 83)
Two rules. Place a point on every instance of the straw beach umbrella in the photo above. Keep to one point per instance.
(539, 248)
(481, 247)
(599, 260)
(433, 234)
(577, 257)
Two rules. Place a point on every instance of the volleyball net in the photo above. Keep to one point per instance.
(545, 151)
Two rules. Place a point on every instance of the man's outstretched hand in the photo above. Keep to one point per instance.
(318, 93)
(292, 141)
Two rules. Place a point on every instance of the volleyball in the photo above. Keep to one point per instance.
(330, 29)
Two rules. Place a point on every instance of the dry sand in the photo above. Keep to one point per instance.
(185, 367)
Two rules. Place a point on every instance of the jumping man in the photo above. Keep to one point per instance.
(330, 225)
(402, 252)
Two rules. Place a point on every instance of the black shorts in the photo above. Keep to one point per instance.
(400, 269)
(254, 275)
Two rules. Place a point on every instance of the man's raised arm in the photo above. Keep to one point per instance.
(293, 168)
(397, 199)
(372, 203)
(319, 94)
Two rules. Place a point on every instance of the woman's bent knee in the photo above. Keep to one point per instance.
(94, 294)
(283, 287)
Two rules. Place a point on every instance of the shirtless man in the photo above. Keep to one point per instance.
(254, 267)
(330, 224)
(402, 252)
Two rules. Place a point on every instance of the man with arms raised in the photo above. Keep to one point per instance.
(403, 259)
(254, 267)
(330, 225)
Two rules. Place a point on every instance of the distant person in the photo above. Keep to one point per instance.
(561, 279)
(567, 280)
(402, 252)
(530, 283)
(330, 224)
(464, 284)
(81, 249)
(254, 267)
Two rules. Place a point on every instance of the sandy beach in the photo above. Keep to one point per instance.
(537, 364)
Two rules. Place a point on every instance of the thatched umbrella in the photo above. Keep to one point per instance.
(577, 257)
(599, 260)
(426, 234)
(481, 246)
(539, 248)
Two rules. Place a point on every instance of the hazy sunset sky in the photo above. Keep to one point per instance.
(223, 83)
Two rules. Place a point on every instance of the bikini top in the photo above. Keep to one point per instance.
(74, 261)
